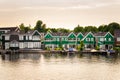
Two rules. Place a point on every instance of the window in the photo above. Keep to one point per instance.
(6, 37)
(21, 37)
(36, 38)
(66, 39)
(118, 39)
(30, 37)
(105, 39)
(78, 39)
(109, 39)
(54, 39)
(57, 39)
(92, 39)
(87, 39)
(101, 39)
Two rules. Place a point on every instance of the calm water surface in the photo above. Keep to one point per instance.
(59, 67)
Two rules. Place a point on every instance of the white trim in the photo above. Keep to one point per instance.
(87, 35)
(47, 34)
(71, 33)
(79, 34)
(17, 29)
(36, 31)
(109, 33)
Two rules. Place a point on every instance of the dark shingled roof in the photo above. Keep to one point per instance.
(85, 33)
(117, 33)
(100, 34)
(20, 32)
(59, 34)
(8, 28)
(30, 32)
(78, 33)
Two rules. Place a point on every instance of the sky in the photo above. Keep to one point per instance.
(59, 13)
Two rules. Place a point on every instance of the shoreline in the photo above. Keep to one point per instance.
(40, 51)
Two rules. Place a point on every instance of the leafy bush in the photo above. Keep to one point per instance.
(97, 48)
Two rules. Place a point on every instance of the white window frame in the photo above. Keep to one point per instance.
(118, 38)
(102, 39)
(109, 39)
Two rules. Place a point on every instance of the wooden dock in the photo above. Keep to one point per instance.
(54, 52)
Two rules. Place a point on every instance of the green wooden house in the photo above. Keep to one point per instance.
(105, 40)
(89, 40)
(72, 40)
(79, 36)
(65, 40)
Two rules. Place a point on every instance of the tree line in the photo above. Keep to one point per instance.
(41, 27)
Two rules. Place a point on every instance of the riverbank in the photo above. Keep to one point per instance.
(57, 51)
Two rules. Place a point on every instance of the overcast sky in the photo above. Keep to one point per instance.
(59, 13)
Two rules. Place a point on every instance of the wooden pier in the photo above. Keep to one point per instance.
(54, 52)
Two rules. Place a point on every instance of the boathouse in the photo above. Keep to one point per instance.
(4, 30)
(89, 40)
(21, 40)
(105, 40)
(79, 36)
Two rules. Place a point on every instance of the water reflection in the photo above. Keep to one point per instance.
(17, 56)
(35, 56)
(56, 66)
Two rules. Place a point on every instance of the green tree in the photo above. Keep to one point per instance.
(40, 26)
(26, 29)
(90, 29)
(78, 29)
(102, 28)
(113, 26)
(54, 30)
(63, 30)
(81, 46)
(22, 26)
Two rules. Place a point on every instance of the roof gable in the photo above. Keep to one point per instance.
(80, 35)
(9, 28)
(109, 34)
(36, 33)
(100, 34)
(48, 35)
(89, 35)
(71, 35)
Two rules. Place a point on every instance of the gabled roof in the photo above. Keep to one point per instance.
(14, 32)
(47, 34)
(9, 28)
(109, 33)
(58, 34)
(100, 34)
(30, 32)
(86, 34)
(77, 34)
(72, 33)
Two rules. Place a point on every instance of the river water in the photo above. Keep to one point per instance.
(59, 67)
